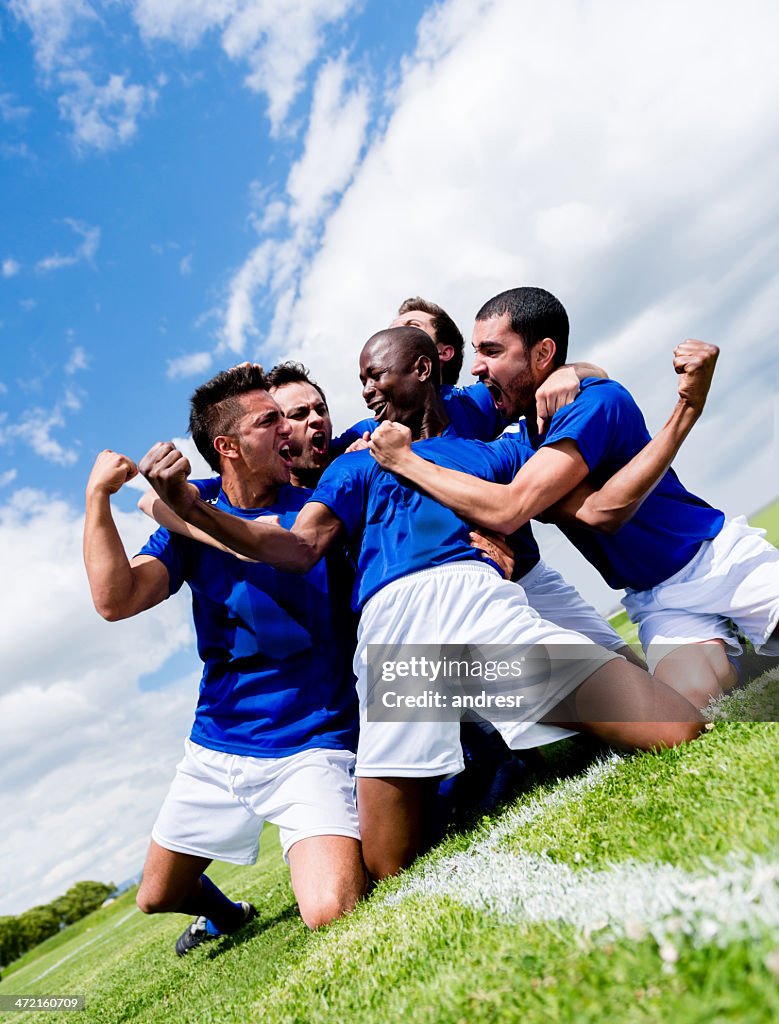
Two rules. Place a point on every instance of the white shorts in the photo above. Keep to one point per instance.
(557, 601)
(732, 582)
(218, 803)
(459, 603)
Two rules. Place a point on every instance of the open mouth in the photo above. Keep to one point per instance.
(285, 454)
(319, 442)
(495, 393)
(379, 410)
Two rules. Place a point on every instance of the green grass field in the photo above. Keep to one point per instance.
(635, 889)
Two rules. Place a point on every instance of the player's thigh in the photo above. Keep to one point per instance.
(328, 877)
(626, 707)
(168, 876)
(394, 814)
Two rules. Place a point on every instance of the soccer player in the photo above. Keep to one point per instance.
(275, 724)
(689, 574)
(473, 414)
(420, 581)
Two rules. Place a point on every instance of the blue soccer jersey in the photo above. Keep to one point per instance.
(670, 525)
(276, 647)
(471, 412)
(394, 529)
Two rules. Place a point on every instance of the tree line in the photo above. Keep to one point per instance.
(23, 931)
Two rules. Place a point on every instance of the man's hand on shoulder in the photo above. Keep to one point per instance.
(390, 444)
(167, 469)
(694, 361)
(109, 473)
(361, 444)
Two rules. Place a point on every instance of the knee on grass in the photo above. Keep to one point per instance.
(326, 907)
(150, 901)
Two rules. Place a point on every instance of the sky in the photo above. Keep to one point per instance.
(185, 184)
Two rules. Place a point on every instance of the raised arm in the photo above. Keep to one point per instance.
(610, 507)
(297, 550)
(152, 505)
(120, 588)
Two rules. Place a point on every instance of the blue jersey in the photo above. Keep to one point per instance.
(670, 525)
(393, 528)
(275, 647)
(471, 412)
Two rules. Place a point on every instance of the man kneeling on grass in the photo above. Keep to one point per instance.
(275, 724)
(419, 581)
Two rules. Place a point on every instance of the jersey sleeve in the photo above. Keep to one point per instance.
(594, 420)
(473, 412)
(209, 489)
(169, 551)
(506, 457)
(342, 489)
(339, 444)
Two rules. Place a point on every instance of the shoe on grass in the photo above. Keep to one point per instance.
(196, 933)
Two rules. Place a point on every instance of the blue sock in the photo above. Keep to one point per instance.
(222, 914)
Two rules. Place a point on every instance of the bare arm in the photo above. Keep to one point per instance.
(153, 506)
(120, 588)
(549, 475)
(296, 550)
(560, 388)
(623, 494)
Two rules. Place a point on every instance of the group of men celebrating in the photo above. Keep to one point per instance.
(272, 546)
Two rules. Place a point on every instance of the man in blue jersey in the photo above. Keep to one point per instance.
(474, 414)
(420, 581)
(689, 574)
(275, 724)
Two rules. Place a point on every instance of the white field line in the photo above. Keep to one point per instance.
(103, 934)
(624, 900)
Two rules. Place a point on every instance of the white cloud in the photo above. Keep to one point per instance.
(78, 360)
(335, 135)
(10, 110)
(35, 428)
(84, 746)
(7, 477)
(85, 252)
(334, 138)
(239, 320)
(103, 116)
(185, 265)
(634, 182)
(52, 23)
(278, 39)
(10, 267)
(188, 366)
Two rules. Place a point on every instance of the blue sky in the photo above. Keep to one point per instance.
(187, 183)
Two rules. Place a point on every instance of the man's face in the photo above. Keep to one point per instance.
(424, 321)
(309, 419)
(391, 388)
(262, 438)
(502, 362)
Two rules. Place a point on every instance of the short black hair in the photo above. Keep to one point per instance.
(535, 314)
(411, 343)
(214, 409)
(446, 333)
(290, 372)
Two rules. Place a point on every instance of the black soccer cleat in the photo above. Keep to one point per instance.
(196, 933)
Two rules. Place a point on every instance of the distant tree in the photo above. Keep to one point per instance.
(38, 923)
(12, 943)
(81, 899)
